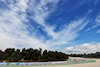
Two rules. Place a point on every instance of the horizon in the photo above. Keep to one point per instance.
(69, 26)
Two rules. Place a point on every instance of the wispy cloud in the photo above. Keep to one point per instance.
(13, 28)
(41, 11)
(96, 2)
(69, 32)
(98, 31)
(15, 25)
(96, 24)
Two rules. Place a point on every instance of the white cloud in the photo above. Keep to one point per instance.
(96, 2)
(96, 24)
(69, 32)
(98, 31)
(41, 10)
(13, 30)
(98, 19)
(84, 48)
(13, 27)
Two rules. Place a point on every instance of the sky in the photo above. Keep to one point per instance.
(70, 26)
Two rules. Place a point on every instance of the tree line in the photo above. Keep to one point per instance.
(91, 55)
(31, 54)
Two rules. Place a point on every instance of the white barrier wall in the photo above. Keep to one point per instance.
(44, 63)
(22, 63)
(13, 64)
(4, 63)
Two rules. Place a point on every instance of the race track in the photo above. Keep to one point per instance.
(73, 64)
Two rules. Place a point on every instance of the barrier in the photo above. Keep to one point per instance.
(75, 61)
(4, 63)
(22, 63)
(12, 64)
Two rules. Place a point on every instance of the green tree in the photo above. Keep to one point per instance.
(8, 53)
(1, 55)
(15, 56)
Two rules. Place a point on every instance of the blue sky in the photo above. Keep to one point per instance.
(70, 26)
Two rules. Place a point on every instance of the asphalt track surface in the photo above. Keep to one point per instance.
(83, 63)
